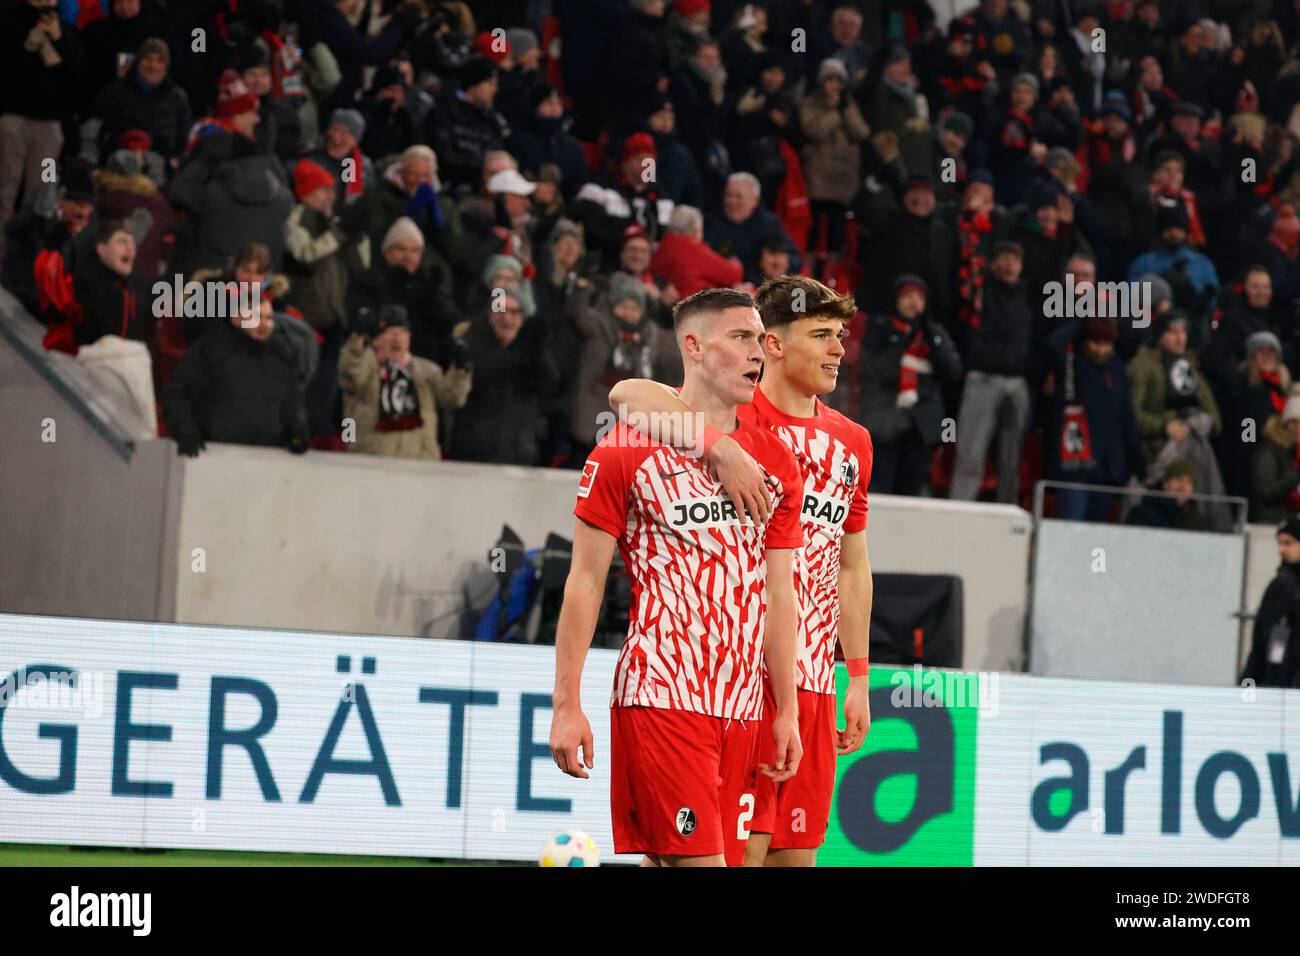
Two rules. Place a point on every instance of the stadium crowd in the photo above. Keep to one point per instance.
(467, 222)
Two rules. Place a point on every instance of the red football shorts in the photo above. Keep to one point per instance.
(681, 784)
(798, 811)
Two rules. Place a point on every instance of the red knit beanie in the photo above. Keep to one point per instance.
(494, 48)
(233, 97)
(309, 177)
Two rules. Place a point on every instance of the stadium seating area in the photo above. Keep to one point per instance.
(1071, 229)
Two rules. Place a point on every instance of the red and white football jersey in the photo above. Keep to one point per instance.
(699, 577)
(834, 455)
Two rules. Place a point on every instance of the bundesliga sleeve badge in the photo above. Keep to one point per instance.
(588, 478)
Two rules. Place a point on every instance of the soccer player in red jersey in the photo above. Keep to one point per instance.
(804, 322)
(712, 602)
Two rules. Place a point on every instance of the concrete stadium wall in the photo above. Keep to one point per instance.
(313, 544)
(83, 518)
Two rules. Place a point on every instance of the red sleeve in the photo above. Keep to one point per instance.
(603, 489)
(723, 271)
(857, 519)
(783, 529)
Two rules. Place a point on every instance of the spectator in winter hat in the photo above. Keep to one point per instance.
(406, 274)
(520, 75)
(389, 126)
(464, 126)
(920, 241)
(1092, 436)
(111, 43)
(1017, 148)
(688, 27)
(948, 169)
(314, 251)
(902, 363)
(237, 107)
(411, 187)
(1198, 279)
(1203, 157)
(541, 139)
(234, 194)
(607, 207)
(144, 99)
(122, 187)
(833, 130)
(280, 130)
(505, 272)
(340, 155)
(514, 379)
(1243, 360)
(618, 343)
(393, 395)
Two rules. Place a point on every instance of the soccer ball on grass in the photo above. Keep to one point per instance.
(570, 848)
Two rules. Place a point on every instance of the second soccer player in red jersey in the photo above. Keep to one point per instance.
(804, 322)
(712, 602)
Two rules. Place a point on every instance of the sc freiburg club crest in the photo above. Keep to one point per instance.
(685, 821)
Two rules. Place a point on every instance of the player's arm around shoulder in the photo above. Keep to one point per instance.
(677, 425)
(593, 550)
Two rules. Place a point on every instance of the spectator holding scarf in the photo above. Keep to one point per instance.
(1092, 437)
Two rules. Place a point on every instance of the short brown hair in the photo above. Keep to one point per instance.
(1168, 156)
(253, 254)
(777, 299)
(709, 300)
(106, 229)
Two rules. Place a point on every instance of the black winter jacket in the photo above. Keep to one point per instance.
(1280, 607)
(883, 347)
(231, 388)
(1000, 345)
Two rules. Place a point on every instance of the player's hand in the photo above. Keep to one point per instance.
(569, 731)
(789, 748)
(741, 478)
(857, 716)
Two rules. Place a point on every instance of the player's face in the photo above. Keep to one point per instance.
(811, 350)
(732, 357)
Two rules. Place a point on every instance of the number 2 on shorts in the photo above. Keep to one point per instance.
(746, 814)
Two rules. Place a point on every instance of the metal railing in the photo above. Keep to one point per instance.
(1128, 494)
